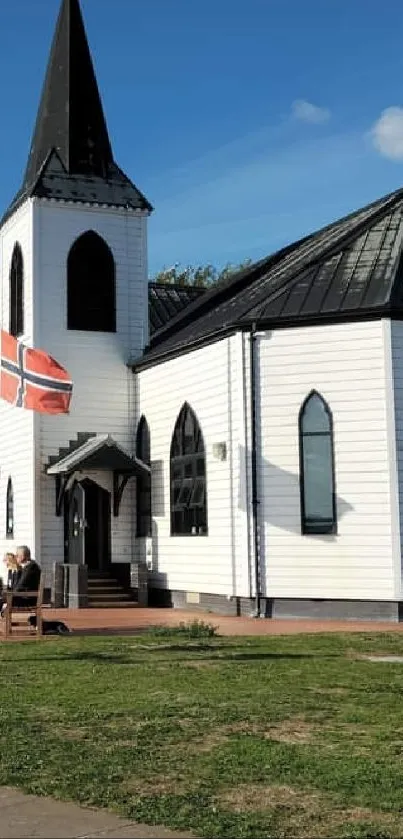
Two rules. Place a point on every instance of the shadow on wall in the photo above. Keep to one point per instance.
(279, 497)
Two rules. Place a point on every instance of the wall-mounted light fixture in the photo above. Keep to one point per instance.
(220, 451)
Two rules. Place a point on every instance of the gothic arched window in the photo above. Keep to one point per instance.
(317, 482)
(17, 292)
(188, 476)
(91, 292)
(10, 510)
(143, 488)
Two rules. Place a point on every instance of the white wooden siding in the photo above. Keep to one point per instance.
(211, 380)
(346, 364)
(97, 362)
(17, 425)
(396, 385)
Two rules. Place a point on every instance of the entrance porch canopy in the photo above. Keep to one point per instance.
(100, 453)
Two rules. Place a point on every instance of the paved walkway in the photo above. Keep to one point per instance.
(28, 817)
(136, 620)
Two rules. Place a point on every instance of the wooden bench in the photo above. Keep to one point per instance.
(14, 609)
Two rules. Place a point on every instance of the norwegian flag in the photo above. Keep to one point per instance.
(32, 379)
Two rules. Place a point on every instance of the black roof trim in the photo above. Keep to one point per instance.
(215, 294)
(246, 275)
(144, 363)
(350, 269)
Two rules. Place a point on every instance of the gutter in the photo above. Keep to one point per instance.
(255, 495)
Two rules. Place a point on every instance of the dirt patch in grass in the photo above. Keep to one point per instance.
(330, 691)
(210, 741)
(249, 798)
(65, 732)
(157, 785)
(306, 813)
(296, 730)
(375, 822)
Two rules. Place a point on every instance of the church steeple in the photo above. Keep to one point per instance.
(70, 117)
(71, 156)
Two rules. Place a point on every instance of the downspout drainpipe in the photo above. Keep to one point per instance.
(255, 498)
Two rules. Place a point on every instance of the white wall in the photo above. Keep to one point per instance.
(16, 424)
(347, 364)
(97, 362)
(211, 380)
(396, 389)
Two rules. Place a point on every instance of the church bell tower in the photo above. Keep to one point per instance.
(74, 268)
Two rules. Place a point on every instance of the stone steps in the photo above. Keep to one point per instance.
(106, 592)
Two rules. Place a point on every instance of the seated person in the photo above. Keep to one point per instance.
(12, 569)
(29, 575)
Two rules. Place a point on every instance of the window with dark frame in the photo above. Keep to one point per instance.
(143, 487)
(188, 477)
(17, 292)
(10, 510)
(317, 479)
(91, 285)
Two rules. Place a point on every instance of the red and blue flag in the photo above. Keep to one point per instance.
(32, 379)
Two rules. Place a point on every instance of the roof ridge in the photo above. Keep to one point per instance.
(177, 286)
(344, 240)
(197, 307)
(215, 292)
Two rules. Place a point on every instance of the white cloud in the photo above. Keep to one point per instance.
(307, 112)
(387, 133)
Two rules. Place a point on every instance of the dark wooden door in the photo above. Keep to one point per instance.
(98, 526)
(76, 535)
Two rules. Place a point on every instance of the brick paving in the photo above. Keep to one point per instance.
(136, 620)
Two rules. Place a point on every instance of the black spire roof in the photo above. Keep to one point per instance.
(71, 156)
(350, 270)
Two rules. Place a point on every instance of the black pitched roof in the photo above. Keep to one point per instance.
(167, 300)
(351, 269)
(71, 156)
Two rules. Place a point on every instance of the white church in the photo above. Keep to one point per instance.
(241, 447)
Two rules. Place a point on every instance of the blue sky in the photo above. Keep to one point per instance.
(247, 123)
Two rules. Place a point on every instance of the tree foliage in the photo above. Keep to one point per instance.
(201, 276)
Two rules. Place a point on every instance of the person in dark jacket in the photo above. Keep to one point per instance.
(28, 578)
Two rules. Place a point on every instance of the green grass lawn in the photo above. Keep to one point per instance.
(268, 737)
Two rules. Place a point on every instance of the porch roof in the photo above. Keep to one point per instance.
(100, 452)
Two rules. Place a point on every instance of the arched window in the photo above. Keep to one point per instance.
(143, 488)
(318, 500)
(17, 292)
(188, 476)
(10, 510)
(91, 295)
